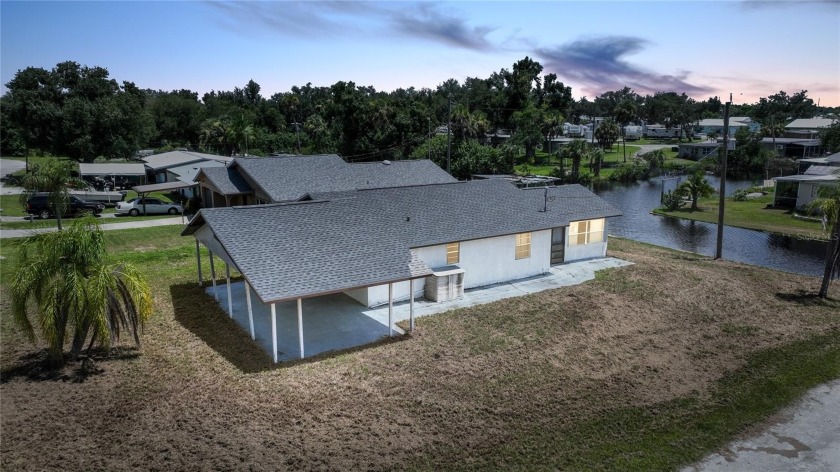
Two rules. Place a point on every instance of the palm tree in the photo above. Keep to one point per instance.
(828, 204)
(54, 178)
(63, 276)
(576, 151)
(624, 113)
(696, 186)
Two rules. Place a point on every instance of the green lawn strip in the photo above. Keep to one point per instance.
(667, 435)
(751, 214)
(612, 160)
(11, 205)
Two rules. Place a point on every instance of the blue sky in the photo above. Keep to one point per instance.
(748, 48)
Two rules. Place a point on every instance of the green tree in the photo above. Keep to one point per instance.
(624, 114)
(607, 134)
(695, 187)
(828, 204)
(65, 279)
(575, 151)
(830, 137)
(527, 129)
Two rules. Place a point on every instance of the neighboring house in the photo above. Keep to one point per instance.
(797, 148)
(186, 174)
(799, 190)
(249, 180)
(807, 127)
(715, 125)
(829, 161)
(158, 164)
(703, 149)
(382, 245)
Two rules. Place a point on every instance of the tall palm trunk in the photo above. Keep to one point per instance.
(832, 257)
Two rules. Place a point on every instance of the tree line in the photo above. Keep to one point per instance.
(80, 112)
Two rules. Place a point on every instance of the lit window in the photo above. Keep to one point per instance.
(453, 253)
(523, 245)
(586, 232)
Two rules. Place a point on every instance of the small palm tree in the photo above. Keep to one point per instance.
(828, 204)
(577, 150)
(53, 178)
(63, 276)
(696, 186)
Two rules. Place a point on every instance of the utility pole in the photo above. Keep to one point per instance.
(297, 133)
(719, 248)
(429, 138)
(449, 137)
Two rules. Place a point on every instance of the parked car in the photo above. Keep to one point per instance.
(38, 204)
(154, 206)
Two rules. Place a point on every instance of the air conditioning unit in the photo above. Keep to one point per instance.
(445, 283)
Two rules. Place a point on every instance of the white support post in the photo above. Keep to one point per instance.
(198, 259)
(390, 309)
(300, 325)
(250, 310)
(213, 275)
(274, 330)
(230, 298)
(411, 305)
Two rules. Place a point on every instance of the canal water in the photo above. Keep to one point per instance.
(636, 201)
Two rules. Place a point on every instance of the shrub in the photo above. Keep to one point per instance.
(740, 195)
(672, 201)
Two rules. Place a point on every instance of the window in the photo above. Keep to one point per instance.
(586, 232)
(453, 253)
(523, 245)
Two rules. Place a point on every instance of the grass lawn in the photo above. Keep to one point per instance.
(751, 214)
(630, 371)
(614, 158)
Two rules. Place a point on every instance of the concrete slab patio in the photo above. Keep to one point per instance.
(337, 322)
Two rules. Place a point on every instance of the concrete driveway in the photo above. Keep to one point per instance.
(21, 233)
(803, 437)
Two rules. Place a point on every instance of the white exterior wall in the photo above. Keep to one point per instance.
(809, 191)
(485, 261)
(587, 251)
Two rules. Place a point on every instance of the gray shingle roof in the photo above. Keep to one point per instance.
(290, 178)
(365, 238)
(227, 180)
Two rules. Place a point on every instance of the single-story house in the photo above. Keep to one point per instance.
(382, 245)
(702, 149)
(715, 125)
(829, 161)
(157, 165)
(187, 173)
(807, 127)
(249, 180)
(799, 190)
(797, 148)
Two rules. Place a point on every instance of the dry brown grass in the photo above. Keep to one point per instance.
(201, 396)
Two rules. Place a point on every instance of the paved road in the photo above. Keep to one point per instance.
(804, 437)
(9, 166)
(645, 148)
(19, 233)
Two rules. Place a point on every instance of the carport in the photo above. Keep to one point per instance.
(337, 321)
(135, 171)
(142, 190)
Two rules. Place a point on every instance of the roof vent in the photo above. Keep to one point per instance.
(387, 163)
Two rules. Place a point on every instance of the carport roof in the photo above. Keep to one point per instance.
(365, 238)
(112, 169)
(162, 187)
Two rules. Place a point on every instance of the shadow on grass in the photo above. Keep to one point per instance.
(806, 298)
(200, 314)
(37, 366)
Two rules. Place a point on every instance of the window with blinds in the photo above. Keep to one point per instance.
(523, 245)
(586, 232)
(453, 253)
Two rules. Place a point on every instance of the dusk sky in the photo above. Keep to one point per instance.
(749, 48)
